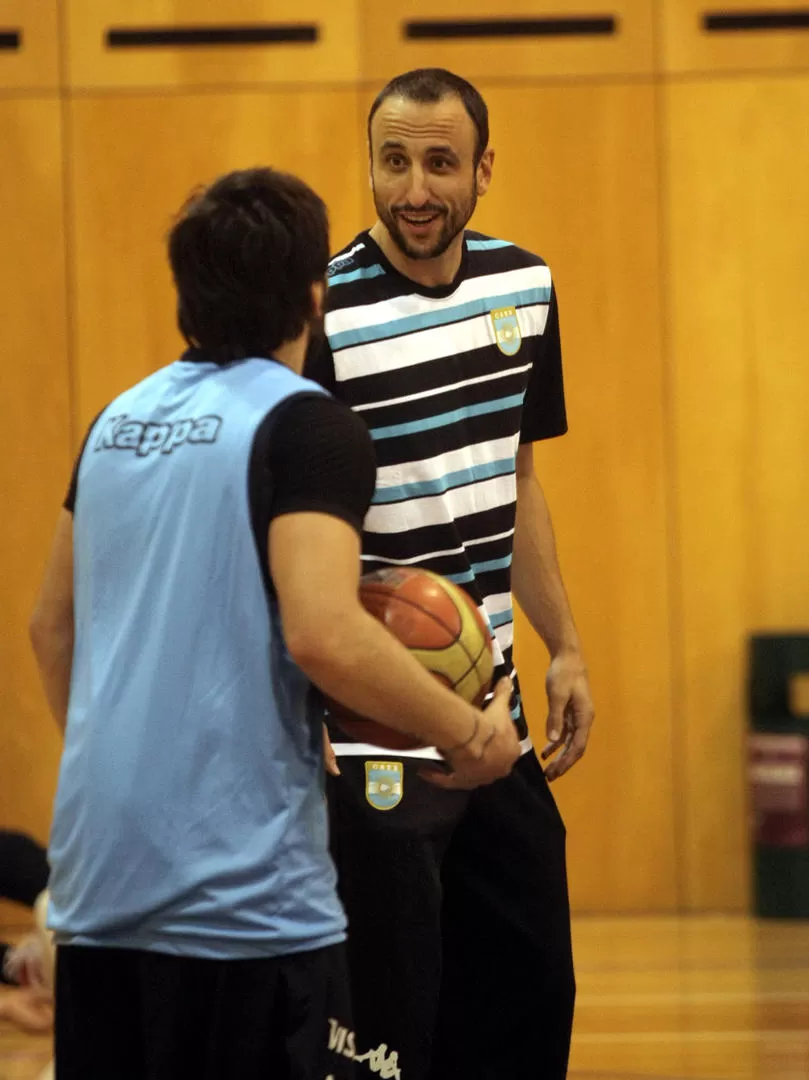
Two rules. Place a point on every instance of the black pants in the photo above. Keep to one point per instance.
(23, 873)
(129, 1015)
(459, 923)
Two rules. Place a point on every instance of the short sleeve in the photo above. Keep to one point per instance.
(544, 412)
(310, 454)
(321, 458)
(70, 498)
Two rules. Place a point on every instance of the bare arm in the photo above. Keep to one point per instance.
(536, 577)
(51, 627)
(540, 592)
(315, 566)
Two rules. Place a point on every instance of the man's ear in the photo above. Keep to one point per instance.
(318, 297)
(484, 171)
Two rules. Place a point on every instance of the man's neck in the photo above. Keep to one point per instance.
(427, 272)
(292, 354)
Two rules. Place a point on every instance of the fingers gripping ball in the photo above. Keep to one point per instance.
(441, 626)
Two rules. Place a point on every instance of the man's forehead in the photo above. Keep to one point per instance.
(441, 121)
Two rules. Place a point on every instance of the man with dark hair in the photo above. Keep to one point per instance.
(428, 86)
(446, 342)
(205, 569)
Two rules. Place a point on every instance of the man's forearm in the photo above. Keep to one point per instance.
(54, 656)
(536, 577)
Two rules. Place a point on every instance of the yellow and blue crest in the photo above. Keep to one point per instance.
(384, 783)
(506, 330)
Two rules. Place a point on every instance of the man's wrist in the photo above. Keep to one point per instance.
(474, 745)
(564, 645)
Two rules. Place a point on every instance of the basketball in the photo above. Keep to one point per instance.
(441, 626)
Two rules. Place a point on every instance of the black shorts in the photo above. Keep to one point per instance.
(124, 1014)
(459, 925)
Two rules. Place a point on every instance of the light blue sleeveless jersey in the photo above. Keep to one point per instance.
(190, 816)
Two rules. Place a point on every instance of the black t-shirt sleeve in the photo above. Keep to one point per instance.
(319, 364)
(70, 498)
(544, 414)
(310, 454)
(321, 458)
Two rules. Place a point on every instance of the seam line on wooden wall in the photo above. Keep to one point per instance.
(448, 29)
(261, 86)
(10, 40)
(717, 22)
(184, 37)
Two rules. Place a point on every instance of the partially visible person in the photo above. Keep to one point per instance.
(204, 574)
(25, 967)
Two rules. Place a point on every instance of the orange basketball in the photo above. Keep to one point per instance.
(441, 626)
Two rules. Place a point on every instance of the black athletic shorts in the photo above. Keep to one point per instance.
(124, 1014)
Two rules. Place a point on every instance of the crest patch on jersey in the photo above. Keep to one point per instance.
(506, 330)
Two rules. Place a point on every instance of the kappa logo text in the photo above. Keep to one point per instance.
(122, 433)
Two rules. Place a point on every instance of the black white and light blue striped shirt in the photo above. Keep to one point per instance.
(450, 381)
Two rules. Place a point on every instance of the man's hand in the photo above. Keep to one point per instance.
(570, 712)
(329, 755)
(490, 753)
(28, 1008)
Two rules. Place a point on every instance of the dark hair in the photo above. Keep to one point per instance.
(245, 252)
(430, 85)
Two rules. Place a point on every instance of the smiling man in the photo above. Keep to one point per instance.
(446, 342)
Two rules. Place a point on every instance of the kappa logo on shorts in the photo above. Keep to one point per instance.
(384, 784)
(123, 433)
(506, 330)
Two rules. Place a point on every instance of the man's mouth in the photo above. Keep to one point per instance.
(419, 220)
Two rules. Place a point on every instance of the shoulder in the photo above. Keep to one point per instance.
(356, 261)
(490, 255)
(312, 417)
(356, 277)
(352, 255)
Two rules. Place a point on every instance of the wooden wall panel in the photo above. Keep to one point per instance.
(547, 51)
(680, 496)
(747, 35)
(93, 62)
(576, 181)
(34, 468)
(29, 44)
(738, 237)
(126, 191)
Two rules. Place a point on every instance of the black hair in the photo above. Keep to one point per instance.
(245, 252)
(430, 85)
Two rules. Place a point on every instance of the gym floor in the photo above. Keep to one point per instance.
(696, 998)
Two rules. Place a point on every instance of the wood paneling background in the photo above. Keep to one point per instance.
(35, 463)
(660, 171)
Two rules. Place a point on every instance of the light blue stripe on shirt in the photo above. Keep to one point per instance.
(363, 274)
(491, 564)
(439, 484)
(487, 245)
(426, 320)
(429, 423)
(502, 617)
(465, 576)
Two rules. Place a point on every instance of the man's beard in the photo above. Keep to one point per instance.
(454, 222)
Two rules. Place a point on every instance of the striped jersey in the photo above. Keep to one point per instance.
(450, 381)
